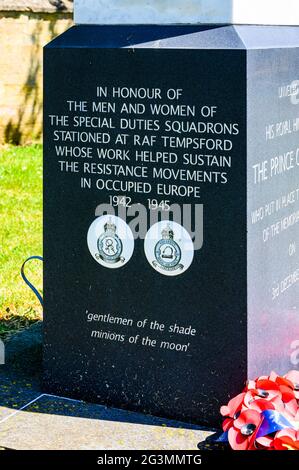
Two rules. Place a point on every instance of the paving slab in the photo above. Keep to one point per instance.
(32, 420)
(60, 424)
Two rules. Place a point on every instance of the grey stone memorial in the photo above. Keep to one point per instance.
(171, 202)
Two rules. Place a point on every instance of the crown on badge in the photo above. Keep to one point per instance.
(110, 226)
(167, 232)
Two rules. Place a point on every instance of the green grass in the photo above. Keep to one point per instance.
(20, 234)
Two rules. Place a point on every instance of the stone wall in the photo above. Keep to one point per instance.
(22, 37)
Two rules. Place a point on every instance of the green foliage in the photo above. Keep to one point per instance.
(20, 234)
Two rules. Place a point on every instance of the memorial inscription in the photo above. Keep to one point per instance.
(273, 208)
(138, 127)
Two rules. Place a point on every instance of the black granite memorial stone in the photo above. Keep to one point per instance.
(161, 116)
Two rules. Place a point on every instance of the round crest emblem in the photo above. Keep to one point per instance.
(167, 251)
(110, 245)
(169, 248)
(110, 241)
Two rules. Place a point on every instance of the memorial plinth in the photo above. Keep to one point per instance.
(143, 118)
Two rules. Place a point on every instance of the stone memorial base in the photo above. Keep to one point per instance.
(204, 117)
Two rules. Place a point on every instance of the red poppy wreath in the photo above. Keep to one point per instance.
(265, 416)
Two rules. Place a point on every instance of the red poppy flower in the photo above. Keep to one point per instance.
(262, 405)
(242, 434)
(261, 392)
(290, 407)
(265, 443)
(293, 378)
(233, 406)
(227, 424)
(284, 383)
(265, 389)
(250, 385)
(245, 413)
(231, 411)
(287, 439)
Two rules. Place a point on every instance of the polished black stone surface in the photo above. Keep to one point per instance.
(213, 67)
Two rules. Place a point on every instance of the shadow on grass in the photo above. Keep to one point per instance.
(12, 323)
(32, 87)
